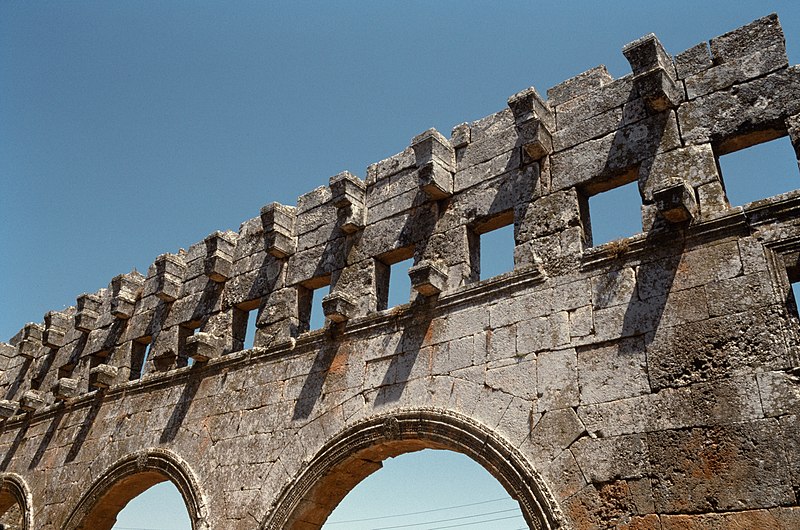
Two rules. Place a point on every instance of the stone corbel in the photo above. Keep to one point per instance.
(653, 73)
(349, 198)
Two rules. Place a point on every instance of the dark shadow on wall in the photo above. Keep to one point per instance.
(86, 426)
(14, 387)
(23, 430)
(46, 439)
(315, 380)
(654, 280)
(406, 353)
(175, 421)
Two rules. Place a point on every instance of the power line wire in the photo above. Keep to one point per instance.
(417, 513)
(475, 522)
(461, 518)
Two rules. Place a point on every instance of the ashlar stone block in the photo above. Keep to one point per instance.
(278, 222)
(31, 400)
(676, 202)
(102, 376)
(427, 278)
(220, 249)
(349, 196)
(167, 274)
(31, 342)
(338, 307)
(87, 314)
(55, 329)
(125, 289)
(8, 408)
(203, 346)
(65, 388)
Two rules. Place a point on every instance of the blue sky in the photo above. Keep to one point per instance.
(132, 129)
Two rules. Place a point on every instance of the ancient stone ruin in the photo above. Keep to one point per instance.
(651, 382)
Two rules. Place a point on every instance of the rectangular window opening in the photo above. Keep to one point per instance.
(184, 332)
(140, 352)
(309, 301)
(492, 247)
(613, 214)
(759, 171)
(393, 285)
(792, 261)
(244, 325)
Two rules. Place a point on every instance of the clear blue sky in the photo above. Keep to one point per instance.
(132, 129)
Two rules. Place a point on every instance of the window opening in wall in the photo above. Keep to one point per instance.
(399, 283)
(759, 171)
(244, 324)
(309, 301)
(160, 506)
(496, 251)
(392, 283)
(184, 332)
(250, 332)
(615, 214)
(140, 352)
(429, 488)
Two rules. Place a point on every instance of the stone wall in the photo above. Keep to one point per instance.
(648, 383)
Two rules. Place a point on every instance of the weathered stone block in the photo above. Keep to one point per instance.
(431, 147)
(694, 60)
(613, 371)
(278, 222)
(8, 408)
(738, 70)
(31, 400)
(578, 85)
(536, 140)
(646, 54)
(203, 347)
(65, 388)
(55, 328)
(31, 343)
(220, 251)
(102, 376)
(676, 203)
(166, 276)
(427, 278)
(125, 289)
(338, 306)
(703, 470)
(87, 313)
(529, 105)
(695, 165)
(435, 181)
(348, 196)
(760, 34)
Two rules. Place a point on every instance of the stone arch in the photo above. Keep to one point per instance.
(353, 454)
(128, 477)
(14, 490)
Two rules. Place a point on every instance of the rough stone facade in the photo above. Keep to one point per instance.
(647, 383)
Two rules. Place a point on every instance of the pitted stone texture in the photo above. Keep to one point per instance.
(650, 383)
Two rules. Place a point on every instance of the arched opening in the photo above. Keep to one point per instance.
(129, 477)
(427, 489)
(15, 513)
(160, 506)
(357, 452)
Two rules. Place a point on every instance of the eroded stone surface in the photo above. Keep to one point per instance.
(648, 383)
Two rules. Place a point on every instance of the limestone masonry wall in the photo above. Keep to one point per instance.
(647, 383)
